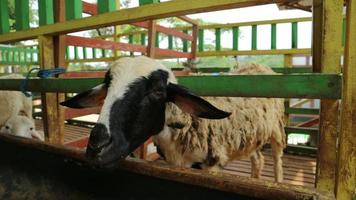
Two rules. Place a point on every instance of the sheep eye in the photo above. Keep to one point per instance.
(176, 125)
(7, 127)
(31, 129)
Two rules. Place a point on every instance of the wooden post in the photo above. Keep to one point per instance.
(151, 39)
(346, 171)
(195, 41)
(327, 29)
(117, 30)
(52, 119)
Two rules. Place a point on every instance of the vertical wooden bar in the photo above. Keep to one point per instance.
(170, 42)
(235, 38)
(131, 42)
(217, 39)
(4, 17)
(52, 121)
(151, 39)
(104, 6)
(157, 40)
(185, 43)
(327, 30)
(254, 37)
(22, 14)
(288, 60)
(201, 40)
(144, 2)
(74, 9)
(195, 41)
(94, 52)
(346, 171)
(273, 36)
(45, 12)
(343, 31)
(294, 35)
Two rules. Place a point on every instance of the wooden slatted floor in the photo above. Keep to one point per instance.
(298, 170)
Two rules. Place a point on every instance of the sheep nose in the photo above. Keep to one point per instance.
(98, 140)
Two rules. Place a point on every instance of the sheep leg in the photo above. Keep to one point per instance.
(277, 151)
(257, 163)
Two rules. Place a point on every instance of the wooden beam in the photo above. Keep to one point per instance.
(125, 16)
(194, 42)
(290, 86)
(346, 171)
(171, 53)
(102, 44)
(253, 52)
(151, 39)
(189, 20)
(89, 8)
(52, 119)
(327, 34)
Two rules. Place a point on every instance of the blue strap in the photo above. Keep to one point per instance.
(44, 73)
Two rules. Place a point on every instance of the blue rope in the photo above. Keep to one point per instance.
(44, 73)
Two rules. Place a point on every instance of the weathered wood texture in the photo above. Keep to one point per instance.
(134, 179)
(52, 112)
(346, 172)
(327, 30)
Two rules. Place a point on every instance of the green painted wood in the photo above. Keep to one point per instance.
(293, 70)
(145, 2)
(305, 111)
(104, 6)
(4, 17)
(143, 39)
(94, 53)
(289, 86)
(217, 39)
(67, 53)
(76, 53)
(85, 55)
(254, 37)
(295, 35)
(74, 9)
(170, 42)
(235, 38)
(157, 40)
(185, 42)
(22, 15)
(301, 130)
(273, 36)
(131, 40)
(45, 12)
(103, 53)
(201, 40)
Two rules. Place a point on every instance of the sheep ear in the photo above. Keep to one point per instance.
(90, 98)
(193, 104)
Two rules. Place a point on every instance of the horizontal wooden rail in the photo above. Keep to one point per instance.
(126, 16)
(255, 52)
(289, 86)
(304, 111)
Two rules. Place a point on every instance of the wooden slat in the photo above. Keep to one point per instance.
(22, 14)
(45, 12)
(326, 59)
(53, 124)
(254, 52)
(124, 16)
(346, 171)
(89, 8)
(172, 53)
(4, 17)
(189, 20)
(72, 113)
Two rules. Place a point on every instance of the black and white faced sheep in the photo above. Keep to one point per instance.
(140, 98)
(187, 140)
(16, 113)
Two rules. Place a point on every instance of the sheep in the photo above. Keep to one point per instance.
(188, 140)
(22, 126)
(14, 105)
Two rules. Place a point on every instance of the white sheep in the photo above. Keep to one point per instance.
(22, 126)
(187, 140)
(14, 105)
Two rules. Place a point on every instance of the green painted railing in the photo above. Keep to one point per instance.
(18, 55)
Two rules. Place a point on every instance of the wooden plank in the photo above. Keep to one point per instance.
(294, 35)
(74, 10)
(235, 38)
(103, 44)
(189, 20)
(72, 113)
(194, 42)
(273, 36)
(151, 39)
(89, 8)
(296, 86)
(53, 124)
(326, 59)
(254, 52)
(217, 39)
(4, 17)
(124, 16)
(106, 6)
(254, 37)
(172, 53)
(346, 171)
(22, 14)
(45, 12)
(306, 111)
